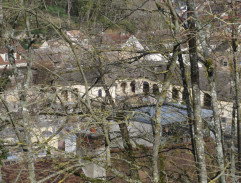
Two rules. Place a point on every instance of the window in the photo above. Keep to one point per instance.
(133, 86)
(155, 89)
(123, 86)
(207, 100)
(225, 64)
(146, 87)
(64, 94)
(184, 8)
(224, 120)
(175, 94)
(18, 57)
(75, 92)
(52, 82)
(6, 57)
(61, 145)
(99, 93)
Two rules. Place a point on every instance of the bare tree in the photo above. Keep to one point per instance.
(69, 9)
(213, 90)
(74, 111)
(236, 78)
(198, 124)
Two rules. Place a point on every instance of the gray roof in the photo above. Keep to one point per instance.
(172, 113)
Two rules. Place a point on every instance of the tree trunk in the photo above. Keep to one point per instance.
(69, 8)
(236, 78)
(24, 138)
(216, 114)
(188, 103)
(89, 7)
(107, 144)
(1, 177)
(232, 155)
(157, 120)
(123, 129)
(1, 18)
(197, 110)
(162, 96)
(217, 124)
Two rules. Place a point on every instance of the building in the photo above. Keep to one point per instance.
(18, 55)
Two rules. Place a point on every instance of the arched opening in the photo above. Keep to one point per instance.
(99, 93)
(184, 97)
(47, 133)
(123, 86)
(146, 87)
(133, 86)
(75, 91)
(155, 89)
(64, 94)
(175, 94)
(207, 100)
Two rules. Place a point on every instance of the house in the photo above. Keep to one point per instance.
(134, 80)
(130, 86)
(8, 82)
(123, 82)
(18, 55)
(78, 37)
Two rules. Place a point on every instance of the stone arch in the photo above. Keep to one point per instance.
(175, 93)
(123, 86)
(65, 94)
(99, 93)
(207, 100)
(146, 87)
(133, 86)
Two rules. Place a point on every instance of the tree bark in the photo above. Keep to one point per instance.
(232, 155)
(197, 110)
(1, 26)
(162, 96)
(188, 103)
(24, 138)
(157, 120)
(1, 18)
(217, 123)
(69, 8)
(236, 78)
(216, 113)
